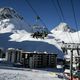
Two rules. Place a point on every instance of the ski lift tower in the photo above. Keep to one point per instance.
(71, 46)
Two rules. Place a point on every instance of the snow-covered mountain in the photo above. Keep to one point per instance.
(11, 21)
(64, 27)
(6, 13)
(63, 32)
(16, 33)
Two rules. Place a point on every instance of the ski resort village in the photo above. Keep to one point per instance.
(39, 40)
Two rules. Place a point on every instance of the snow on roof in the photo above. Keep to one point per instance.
(30, 45)
(38, 53)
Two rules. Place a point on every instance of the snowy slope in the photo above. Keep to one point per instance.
(14, 32)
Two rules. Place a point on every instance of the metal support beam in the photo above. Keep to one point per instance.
(71, 65)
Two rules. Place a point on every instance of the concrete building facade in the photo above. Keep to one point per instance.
(31, 59)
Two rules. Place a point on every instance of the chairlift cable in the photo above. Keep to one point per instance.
(75, 19)
(37, 15)
(54, 5)
(64, 20)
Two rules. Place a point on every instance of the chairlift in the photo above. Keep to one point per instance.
(39, 32)
(38, 17)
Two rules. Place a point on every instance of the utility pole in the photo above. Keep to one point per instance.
(71, 65)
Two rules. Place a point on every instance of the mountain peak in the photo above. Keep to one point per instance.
(64, 27)
(8, 13)
(11, 21)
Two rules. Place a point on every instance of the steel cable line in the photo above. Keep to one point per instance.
(75, 18)
(54, 5)
(63, 19)
(20, 16)
(35, 13)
